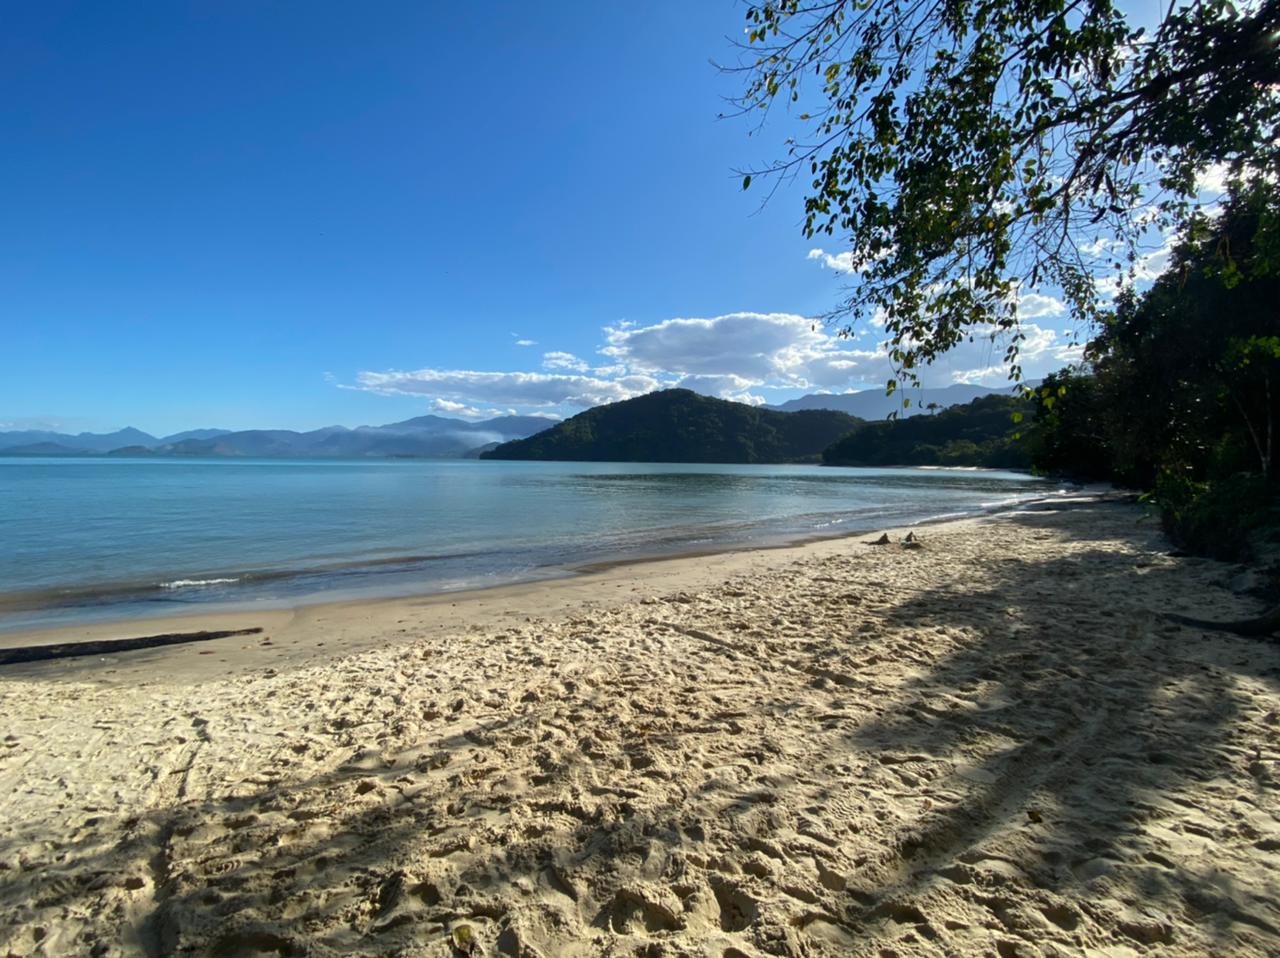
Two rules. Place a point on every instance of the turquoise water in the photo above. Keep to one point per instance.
(85, 539)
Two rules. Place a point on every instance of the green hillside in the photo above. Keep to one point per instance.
(677, 425)
(980, 433)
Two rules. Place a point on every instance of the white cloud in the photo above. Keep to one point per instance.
(617, 369)
(526, 342)
(840, 262)
(561, 360)
(1070, 353)
(979, 377)
(506, 388)
(1146, 269)
(451, 408)
(843, 262)
(726, 387)
(1102, 245)
(841, 369)
(1213, 179)
(754, 346)
(1150, 266)
(1037, 306)
(982, 361)
(734, 356)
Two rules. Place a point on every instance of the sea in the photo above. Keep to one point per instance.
(86, 540)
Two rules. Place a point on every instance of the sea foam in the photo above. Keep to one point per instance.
(191, 583)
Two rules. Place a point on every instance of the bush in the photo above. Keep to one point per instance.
(1215, 518)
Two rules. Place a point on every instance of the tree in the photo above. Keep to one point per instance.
(1184, 394)
(972, 150)
(1070, 433)
(1188, 369)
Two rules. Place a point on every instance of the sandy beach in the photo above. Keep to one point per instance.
(990, 745)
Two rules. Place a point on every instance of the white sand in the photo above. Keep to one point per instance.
(988, 746)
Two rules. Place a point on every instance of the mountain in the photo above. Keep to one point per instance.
(40, 449)
(874, 404)
(479, 451)
(677, 425)
(980, 433)
(82, 442)
(423, 436)
(193, 434)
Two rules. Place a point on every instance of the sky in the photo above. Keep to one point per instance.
(270, 215)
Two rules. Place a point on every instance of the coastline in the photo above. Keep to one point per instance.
(353, 624)
(362, 549)
(993, 743)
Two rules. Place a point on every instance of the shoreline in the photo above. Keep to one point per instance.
(164, 582)
(439, 610)
(993, 743)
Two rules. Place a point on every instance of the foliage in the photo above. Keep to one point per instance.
(1214, 518)
(969, 149)
(677, 425)
(981, 433)
(1188, 368)
(1185, 387)
(1069, 435)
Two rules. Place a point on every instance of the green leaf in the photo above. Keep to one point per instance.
(746, 181)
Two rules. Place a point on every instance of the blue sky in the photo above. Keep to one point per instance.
(281, 215)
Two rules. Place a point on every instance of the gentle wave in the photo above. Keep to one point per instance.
(193, 583)
(104, 594)
(323, 533)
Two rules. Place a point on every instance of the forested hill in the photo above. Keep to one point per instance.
(980, 433)
(677, 425)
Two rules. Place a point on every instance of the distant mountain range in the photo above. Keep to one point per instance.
(874, 404)
(678, 425)
(423, 436)
(674, 425)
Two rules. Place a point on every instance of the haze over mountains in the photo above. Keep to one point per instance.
(873, 404)
(422, 436)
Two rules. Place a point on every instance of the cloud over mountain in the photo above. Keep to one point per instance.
(734, 356)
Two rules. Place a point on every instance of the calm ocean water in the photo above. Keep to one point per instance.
(90, 539)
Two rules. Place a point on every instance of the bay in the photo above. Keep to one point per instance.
(94, 539)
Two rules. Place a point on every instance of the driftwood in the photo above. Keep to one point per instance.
(1266, 624)
(67, 650)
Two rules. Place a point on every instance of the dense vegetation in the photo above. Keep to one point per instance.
(1180, 394)
(676, 425)
(981, 433)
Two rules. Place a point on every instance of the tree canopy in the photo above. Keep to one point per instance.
(1183, 394)
(970, 151)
